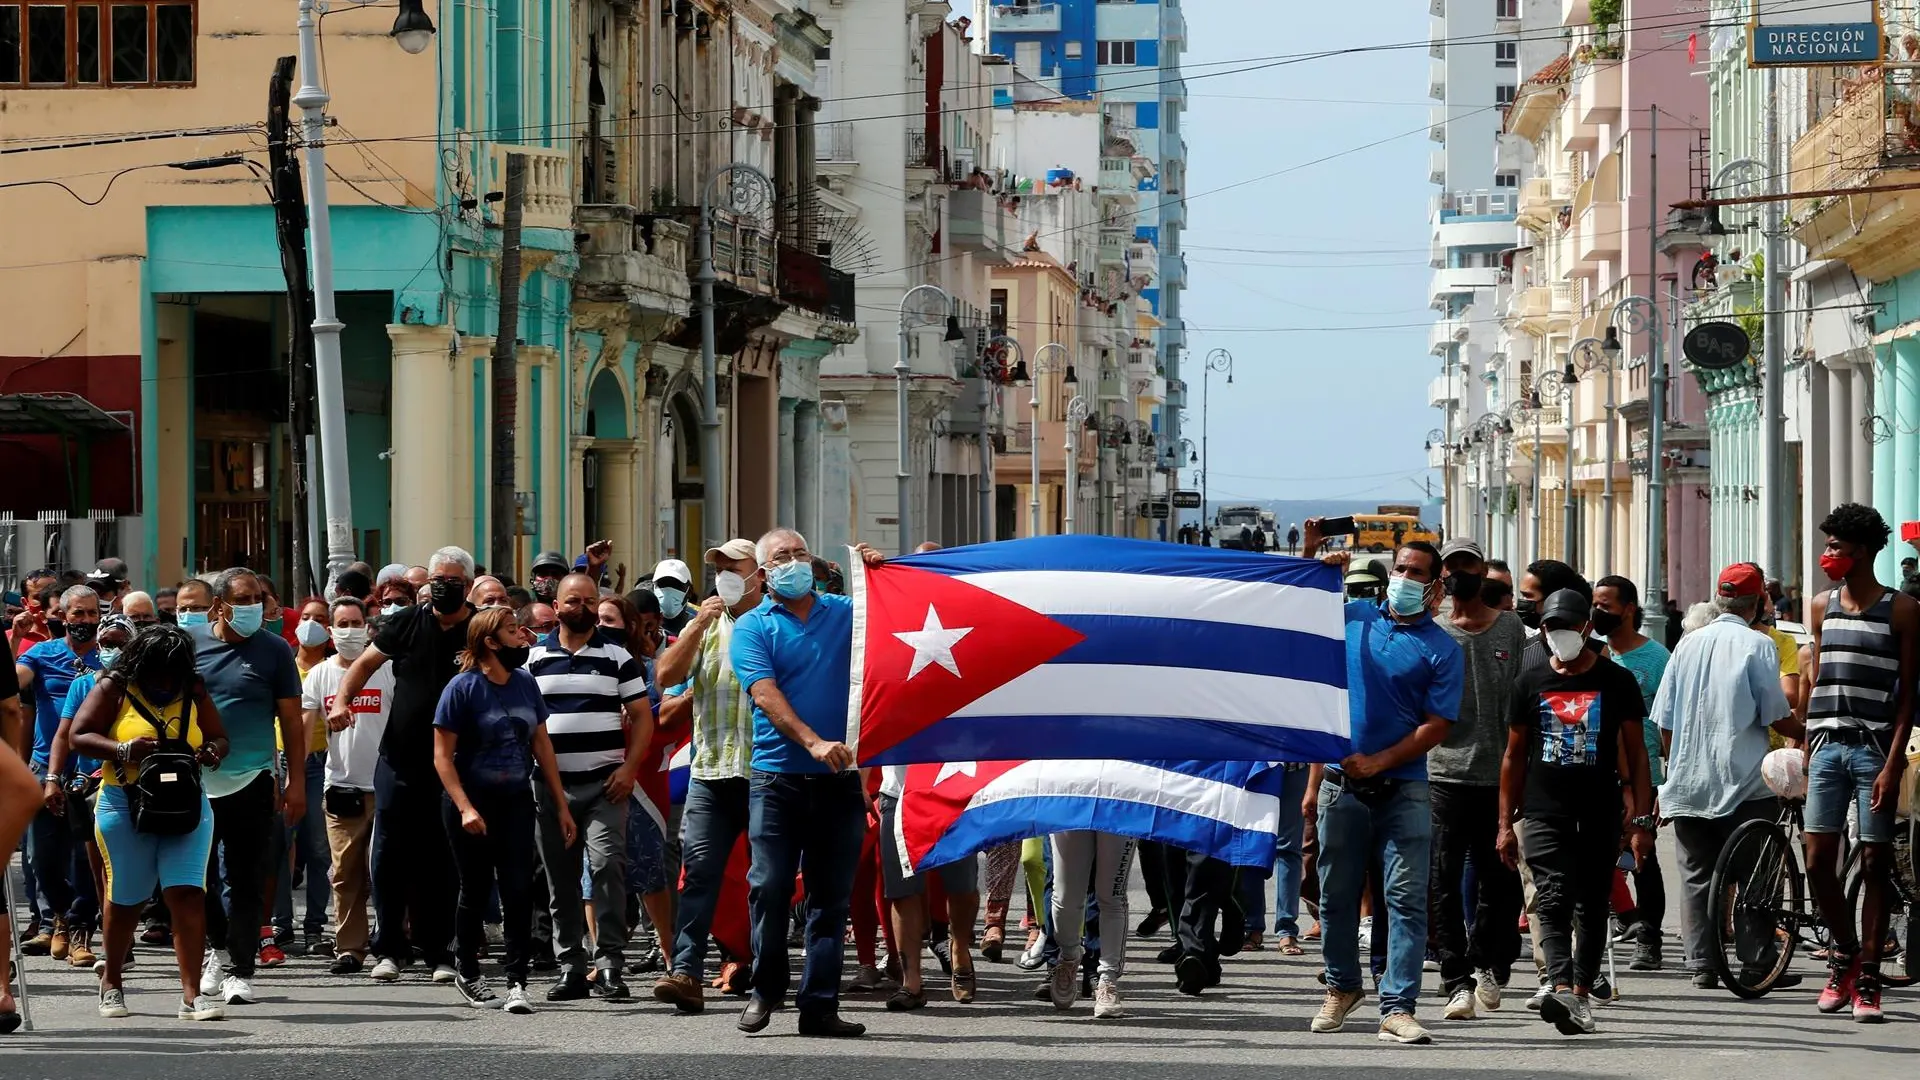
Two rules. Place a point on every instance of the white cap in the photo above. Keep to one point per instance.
(674, 569)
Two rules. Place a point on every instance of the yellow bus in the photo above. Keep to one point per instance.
(1386, 532)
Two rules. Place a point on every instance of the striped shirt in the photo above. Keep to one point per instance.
(1859, 665)
(587, 693)
(722, 710)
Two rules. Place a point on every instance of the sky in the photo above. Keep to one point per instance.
(1312, 413)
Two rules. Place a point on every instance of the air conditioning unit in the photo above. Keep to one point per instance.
(962, 164)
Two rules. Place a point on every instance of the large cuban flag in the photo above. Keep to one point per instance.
(1086, 647)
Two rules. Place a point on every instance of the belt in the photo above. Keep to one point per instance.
(1850, 736)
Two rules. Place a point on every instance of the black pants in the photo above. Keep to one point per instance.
(1572, 859)
(1153, 868)
(1198, 889)
(413, 877)
(243, 824)
(1466, 819)
(503, 857)
(1649, 895)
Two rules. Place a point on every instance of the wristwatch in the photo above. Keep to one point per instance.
(1644, 821)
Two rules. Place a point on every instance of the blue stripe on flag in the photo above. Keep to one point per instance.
(1016, 819)
(1116, 555)
(1205, 646)
(1002, 738)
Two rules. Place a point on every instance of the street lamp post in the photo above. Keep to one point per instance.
(1640, 315)
(413, 32)
(1174, 449)
(1021, 374)
(1217, 360)
(748, 190)
(1077, 417)
(1001, 373)
(902, 378)
(1519, 415)
(1591, 354)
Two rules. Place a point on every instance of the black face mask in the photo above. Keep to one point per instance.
(1605, 622)
(82, 633)
(580, 621)
(1529, 612)
(512, 656)
(167, 617)
(56, 627)
(1464, 586)
(448, 596)
(1494, 593)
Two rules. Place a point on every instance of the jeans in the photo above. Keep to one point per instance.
(1841, 775)
(715, 815)
(413, 876)
(602, 840)
(1466, 820)
(1572, 859)
(242, 827)
(1699, 841)
(62, 874)
(1287, 856)
(1395, 828)
(503, 857)
(811, 824)
(1109, 859)
(311, 850)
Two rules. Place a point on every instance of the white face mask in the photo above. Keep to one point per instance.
(350, 641)
(730, 587)
(1566, 645)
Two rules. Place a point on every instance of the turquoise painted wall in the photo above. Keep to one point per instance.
(1896, 408)
(367, 357)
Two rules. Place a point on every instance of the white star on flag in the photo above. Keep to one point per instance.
(954, 768)
(933, 644)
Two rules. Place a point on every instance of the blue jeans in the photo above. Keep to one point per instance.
(812, 824)
(1286, 856)
(715, 816)
(1397, 830)
(1842, 773)
(65, 878)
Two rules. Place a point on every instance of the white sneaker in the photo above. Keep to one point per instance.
(235, 990)
(443, 974)
(113, 1004)
(1366, 932)
(1063, 985)
(1106, 1001)
(213, 968)
(1487, 989)
(1541, 994)
(1460, 1005)
(517, 1002)
(384, 970)
(1403, 1028)
(201, 1008)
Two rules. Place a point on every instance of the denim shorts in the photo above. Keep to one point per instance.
(1843, 773)
(136, 863)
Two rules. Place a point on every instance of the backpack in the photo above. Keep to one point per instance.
(165, 795)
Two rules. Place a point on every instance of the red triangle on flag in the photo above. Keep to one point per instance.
(934, 644)
(934, 796)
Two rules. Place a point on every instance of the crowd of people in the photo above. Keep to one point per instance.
(457, 769)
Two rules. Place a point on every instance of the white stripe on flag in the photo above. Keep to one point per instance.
(1132, 690)
(1241, 603)
(1134, 782)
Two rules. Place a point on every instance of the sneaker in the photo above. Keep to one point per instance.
(1841, 980)
(235, 990)
(316, 943)
(681, 991)
(1541, 994)
(517, 1002)
(1487, 989)
(1568, 1012)
(866, 980)
(1624, 932)
(1106, 1001)
(1403, 1028)
(385, 969)
(113, 1004)
(477, 993)
(1646, 952)
(1063, 988)
(1603, 992)
(1366, 932)
(1334, 1010)
(271, 955)
(213, 968)
(1866, 999)
(156, 934)
(1460, 1005)
(1707, 980)
(443, 974)
(201, 1008)
(347, 964)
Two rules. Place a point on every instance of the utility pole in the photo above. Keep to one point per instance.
(1654, 584)
(290, 232)
(506, 369)
(1772, 345)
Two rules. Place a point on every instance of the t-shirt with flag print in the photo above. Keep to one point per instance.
(1573, 725)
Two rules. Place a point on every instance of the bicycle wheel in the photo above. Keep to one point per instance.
(1756, 907)
(1898, 964)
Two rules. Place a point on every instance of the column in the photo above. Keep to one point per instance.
(423, 470)
(785, 503)
(1860, 404)
(577, 447)
(1822, 477)
(1839, 438)
(1905, 409)
(170, 477)
(1888, 562)
(619, 486)
(807, 451)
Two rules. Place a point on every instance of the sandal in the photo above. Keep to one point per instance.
(992, 943)
(1288, 946)
(964, 985)
(902, 1001)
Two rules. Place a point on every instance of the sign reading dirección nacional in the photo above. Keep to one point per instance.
(1811, 33)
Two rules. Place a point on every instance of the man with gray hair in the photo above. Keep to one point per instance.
(1720, 695)
(413, 879)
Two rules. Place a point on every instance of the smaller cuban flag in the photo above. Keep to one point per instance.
(1091, 647)
(1227, 809)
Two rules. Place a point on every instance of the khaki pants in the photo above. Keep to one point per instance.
(350, 838)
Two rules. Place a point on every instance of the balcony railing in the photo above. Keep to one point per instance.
(807, 281)
(549, 190)
(921, 154)
(1113, 246)
(1022, 18)
(1498, 203)
(834, 141)
(1868, 130)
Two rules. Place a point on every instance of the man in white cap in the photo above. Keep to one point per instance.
(672, 584)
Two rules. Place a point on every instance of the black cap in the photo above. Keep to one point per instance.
(1566, 609)
(552, 560)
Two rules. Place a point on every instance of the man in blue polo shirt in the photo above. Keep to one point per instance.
(1404, 680)
(59, 858)
(794, 654)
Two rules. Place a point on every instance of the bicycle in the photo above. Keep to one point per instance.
(1761, 912)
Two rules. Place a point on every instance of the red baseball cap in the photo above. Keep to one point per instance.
(1741, 579)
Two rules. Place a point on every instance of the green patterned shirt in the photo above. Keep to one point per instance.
(722, 710)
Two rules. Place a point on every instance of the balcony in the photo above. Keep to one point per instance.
(1597, 101)
(1015, 465)
(1599, 236)
(1022, 18)
(1113, 246)
(1437, 167)
(1440, 337)
(1866, 140)
(1173, 272)
(1437, 80)
(549, 188)
(626, 258)
(1121, 176)
(1143, 264)
(1462, 279)
(1574, 13)
(1437, 123)
(1541, 200)
(1531, 306)
(1444, 390)
(976, 222)
(806, 281)
(833, 142)
(1173, 25)
(1437, 39)
(1173, 211)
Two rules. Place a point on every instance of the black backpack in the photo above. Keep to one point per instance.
(165, 794)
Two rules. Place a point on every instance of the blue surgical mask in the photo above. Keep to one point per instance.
(792, 581)
(1405, 596)
(672, 600)
(190, 618)
(393, 609)
(107, 657)
(245, 619)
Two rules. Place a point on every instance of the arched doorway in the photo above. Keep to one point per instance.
(677, 477)
(606, 420)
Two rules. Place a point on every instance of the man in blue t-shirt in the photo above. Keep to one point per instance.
(1405, 675)
(794, 654)
(59, 864)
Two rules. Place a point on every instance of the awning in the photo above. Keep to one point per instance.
(56, 414)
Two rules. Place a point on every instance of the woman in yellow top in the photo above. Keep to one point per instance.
(153, 677)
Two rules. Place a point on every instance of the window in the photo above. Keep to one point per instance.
(1506, 53)
(1503, 95)
(997, 311)
(1074, 50)
(1506, 9)
(82, 43)
(1115, 52)
(1506, 179)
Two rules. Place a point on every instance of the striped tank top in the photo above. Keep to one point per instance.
(1859, 667)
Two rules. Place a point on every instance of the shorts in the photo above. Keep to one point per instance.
(136, 863)
(646, 852)
(1842, 774)
(960, 877)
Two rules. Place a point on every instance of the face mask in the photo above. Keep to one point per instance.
(393, 609)
(245, 618)
(1494, 593)
(57, 627)
(311, 632)
(1464, 586)
(190, 618)
(1566, 645)
(349, 641)
(107, 657)
(730, 587)
(1837, 567)
(671, 600)
(512, 656)
(1605, 622)
(1529, 612)
(167, 617)
(580, 621)
(449, 596)
(545, 589)
(275, 625)
(1405, 596)
(792, 581)
(82, 633)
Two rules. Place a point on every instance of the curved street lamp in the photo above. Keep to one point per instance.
(1032, 379)
(1640, 315)
(1217, 360)
(902, 376)
(1587, 355)
(1520, 415)
(1077, 416)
